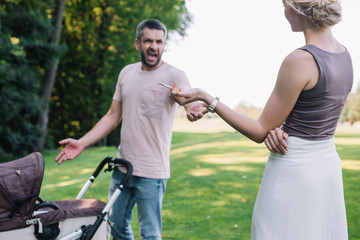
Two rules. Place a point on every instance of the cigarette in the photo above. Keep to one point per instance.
(165, 85)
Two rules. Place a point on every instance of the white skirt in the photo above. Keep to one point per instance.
(301, 196)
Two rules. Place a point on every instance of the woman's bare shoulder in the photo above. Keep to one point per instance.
(301, 67)
(299, 56)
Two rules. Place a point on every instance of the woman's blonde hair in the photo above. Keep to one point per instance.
(321, 13)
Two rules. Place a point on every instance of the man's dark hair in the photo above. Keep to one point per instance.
(150, 24)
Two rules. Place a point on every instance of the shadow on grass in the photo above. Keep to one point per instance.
(66, 180)
(352, 195)
(215, 179)
(214, 183)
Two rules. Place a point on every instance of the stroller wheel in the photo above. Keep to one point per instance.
(49, 232)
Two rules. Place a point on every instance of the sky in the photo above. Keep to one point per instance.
(233, 49)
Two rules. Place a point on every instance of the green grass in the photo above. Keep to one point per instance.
(214, 182)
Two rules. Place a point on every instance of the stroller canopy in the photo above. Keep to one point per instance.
(20, 183)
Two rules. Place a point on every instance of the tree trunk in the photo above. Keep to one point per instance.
(50, 75)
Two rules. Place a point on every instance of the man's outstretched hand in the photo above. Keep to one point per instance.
(73, 148)
(196, 111)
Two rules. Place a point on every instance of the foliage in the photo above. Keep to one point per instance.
(24, 53)
(100, 37)
(214, 182)
(351, 111)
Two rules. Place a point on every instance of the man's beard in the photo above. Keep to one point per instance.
(143, 59)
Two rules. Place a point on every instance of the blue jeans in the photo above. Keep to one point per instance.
(148, 195)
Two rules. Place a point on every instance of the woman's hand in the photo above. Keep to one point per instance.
(191, 95)
(276, 141)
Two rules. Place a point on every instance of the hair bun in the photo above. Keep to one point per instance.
(322, 13)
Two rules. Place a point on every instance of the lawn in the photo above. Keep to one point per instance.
(214, 180)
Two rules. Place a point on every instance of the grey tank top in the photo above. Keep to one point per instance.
(317, 111)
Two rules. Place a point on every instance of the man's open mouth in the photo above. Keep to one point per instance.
(152, 56)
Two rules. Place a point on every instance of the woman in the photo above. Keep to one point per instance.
(301, 194)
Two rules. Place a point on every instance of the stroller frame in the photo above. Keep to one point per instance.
(27, 212)
(87, 232)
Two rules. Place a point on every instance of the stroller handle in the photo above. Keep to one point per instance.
(90, 230)
(87, 232)
(112, 161)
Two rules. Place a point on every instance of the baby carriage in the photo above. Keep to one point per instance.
(25, 215)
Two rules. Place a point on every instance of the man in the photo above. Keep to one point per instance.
(147, 112)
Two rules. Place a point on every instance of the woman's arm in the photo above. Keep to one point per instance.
(297, 71)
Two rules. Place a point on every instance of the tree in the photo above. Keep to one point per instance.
(351, 111)
(24, 54)
(49, 80)
(100, 38)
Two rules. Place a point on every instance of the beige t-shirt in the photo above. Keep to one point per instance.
(147, 117)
